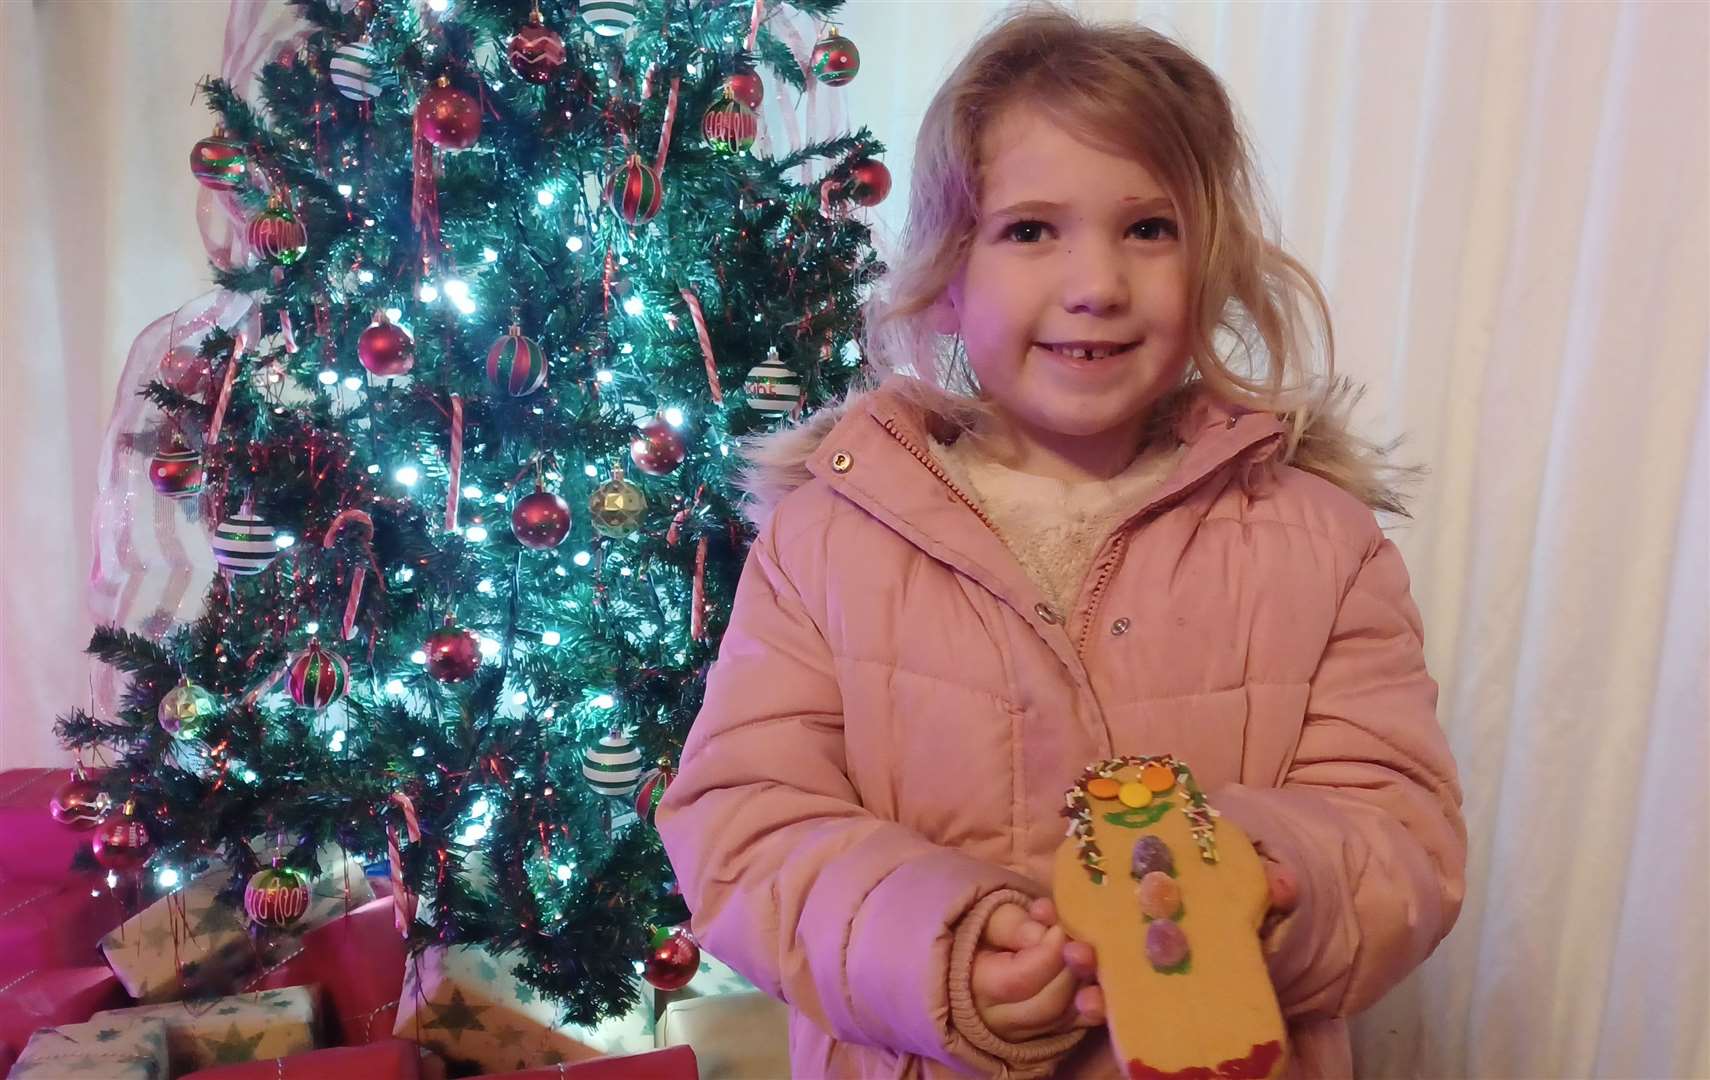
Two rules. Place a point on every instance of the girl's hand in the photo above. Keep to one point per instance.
(1022, 984)
(1082, 959)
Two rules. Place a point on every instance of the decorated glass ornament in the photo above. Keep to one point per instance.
(515, 365)
(612, 766)
(536, 52)
(79, 802)
(746, 87)
(617, 507)
(352, 70)
(541, 521)
(244, 544)
(276, 897)
(218, 162)
(176, 470)
(869, 182)
(318, 677)
(185, 708)
(276, 234)
(658, 449)
(449, 118)
(386, 348)
(729, 125)
(121, 841)
(771, 386)
(635, 191)
(609, 18)
(453, 653)
(672, 959)
(835, 58)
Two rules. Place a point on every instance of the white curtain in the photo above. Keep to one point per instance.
(1508, 205)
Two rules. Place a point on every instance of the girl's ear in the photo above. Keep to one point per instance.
(942, 315)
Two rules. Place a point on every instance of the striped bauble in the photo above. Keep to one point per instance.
(277, 235)
(771, 386)
(635, 191)
(835, 58)
(515, 365)
(318, 677)
(609, 18)
(352, 68)
(613, 765)
(176, 471)
(218, 162)
(244, 544)
(730, 125)
(536, 53)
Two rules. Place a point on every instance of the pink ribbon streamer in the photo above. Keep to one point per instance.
(225, 392)
(456, 463)
(361, 519)
(700, 318)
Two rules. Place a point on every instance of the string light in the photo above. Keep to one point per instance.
(604, 376)
(407, 475)
(574, 243)
(365, 276)
(545, 197)
(418, 657)
(489, 255)
(327, 378)
(582, 558)
(395, 687)
(551, 637)
(284, 540)
(428, 293)
(674, 416)
(634, 306)
(476, 534)
(312, 628)
(604, 701)
(351, 382)
(167, 878)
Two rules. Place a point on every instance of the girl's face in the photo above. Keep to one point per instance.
(1072, 303)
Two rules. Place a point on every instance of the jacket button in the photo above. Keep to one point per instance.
(842, 461)
(1046, 614)
(1231, 422)
(1120, 626)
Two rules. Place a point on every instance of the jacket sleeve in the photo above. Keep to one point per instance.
(847, 917)
(1368, 814)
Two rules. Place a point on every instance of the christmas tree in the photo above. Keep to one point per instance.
(518, 290)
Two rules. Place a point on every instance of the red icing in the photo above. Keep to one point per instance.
(1255, 1066)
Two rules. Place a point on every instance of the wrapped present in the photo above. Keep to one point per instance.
(54, 997)
(466, 1003)
(193, 943)
(734, 1035)
(358, 962)
(46, 924)
(37, 847)
(388, 1059)
(95, 1051)
(676, 1063)
(223, 1031)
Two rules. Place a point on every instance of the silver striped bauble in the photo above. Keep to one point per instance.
(352, 69)
(244, 544)
(771, 386)
(613, 765)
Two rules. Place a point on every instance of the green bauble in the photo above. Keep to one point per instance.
(185, 710)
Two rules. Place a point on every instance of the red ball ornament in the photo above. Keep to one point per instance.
(635, 191)
(453, 654)
(318, 677)
(746, 87)
(659, 449)
(79, 802)
(835, 59)
(122, 842)
(276, 897)
(386, 348)
(536, 53)
(277, 235)
(673, 959)
(869, 183)
(218, 162)
(176, 470)
(541, 520)
(450, 118)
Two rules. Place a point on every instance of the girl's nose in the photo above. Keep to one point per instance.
(1095, 281)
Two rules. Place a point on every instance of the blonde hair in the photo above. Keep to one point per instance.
(1257, 315)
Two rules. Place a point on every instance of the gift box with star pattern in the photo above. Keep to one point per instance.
(97, 1050)
(466, 1003)
(225, 1031)
(193, 943)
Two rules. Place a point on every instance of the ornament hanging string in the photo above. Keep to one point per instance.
(700, 318)
(365, 539)
(225, 391)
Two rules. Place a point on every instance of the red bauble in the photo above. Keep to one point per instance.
(869, 183)
(453, 654)
(746, 87)
(450, 118)
(659, 449)
(122, 841)
(673, 960)
(536, 53)
(542, 520)
(79, 803)
(386, 348)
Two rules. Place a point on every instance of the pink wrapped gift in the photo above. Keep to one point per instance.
(390, 1059)
(54, 997)
(358, 960)
(676, 1063)
(47, 924)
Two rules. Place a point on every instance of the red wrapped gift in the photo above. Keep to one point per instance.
(48, 924)
(33, 846)
(358, 960)
(391, 1059)
(676, 1063)
(53, 997)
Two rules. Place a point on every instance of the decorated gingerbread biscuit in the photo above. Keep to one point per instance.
(1171, 896)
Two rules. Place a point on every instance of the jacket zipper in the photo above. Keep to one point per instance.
(938, 471)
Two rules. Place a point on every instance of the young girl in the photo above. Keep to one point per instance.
(1115, 515)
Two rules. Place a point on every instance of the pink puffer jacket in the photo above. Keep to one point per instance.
(896, 712)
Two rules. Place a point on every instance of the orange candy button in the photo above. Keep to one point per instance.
(1135, 795)
(1158, 778)
(1103, 788)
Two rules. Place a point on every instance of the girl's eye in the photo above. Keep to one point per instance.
(1024, 232)
(1156, 228)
